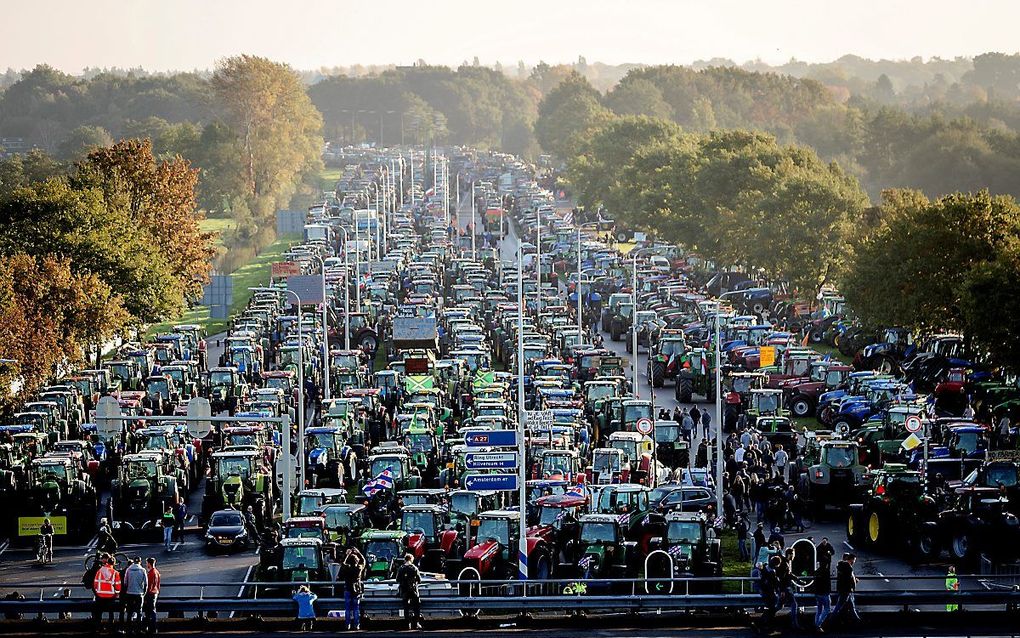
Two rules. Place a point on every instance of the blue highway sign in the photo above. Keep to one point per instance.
(487, 482)
(494, 438)
(491, 460)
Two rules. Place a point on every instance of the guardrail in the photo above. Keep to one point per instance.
(469, 597)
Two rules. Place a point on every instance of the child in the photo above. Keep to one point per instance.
(305, 600)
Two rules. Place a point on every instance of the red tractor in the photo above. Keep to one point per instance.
(803, 397)
(558, 526)
(494, 557)
(432, 538)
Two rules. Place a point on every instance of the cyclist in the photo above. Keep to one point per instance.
(45, 553)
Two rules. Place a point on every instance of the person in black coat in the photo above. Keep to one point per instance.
(821, 587)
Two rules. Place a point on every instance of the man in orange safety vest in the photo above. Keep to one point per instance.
(106, 586)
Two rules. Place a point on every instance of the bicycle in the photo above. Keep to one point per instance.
(44, 549)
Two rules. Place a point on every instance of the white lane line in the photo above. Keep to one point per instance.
(848, 545)
(240, 590)
(173, 548)
(882, 576)
(91, 547)
(3, 546)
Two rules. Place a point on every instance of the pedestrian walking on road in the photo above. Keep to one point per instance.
(846, 584)
(408, 578)
(180, 515)
(821, 587)
(152, 582)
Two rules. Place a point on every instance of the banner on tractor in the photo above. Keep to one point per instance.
(767, 356)
(29, 525)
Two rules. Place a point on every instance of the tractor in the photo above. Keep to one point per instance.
(384, 552)
(666, 359)
(432, 539)
(226, 389)
(494, 556)
(688, 549)
(240, 479)
(330, 461)
(141, 493)
(892, 512)
(57, 488)
(696, 375)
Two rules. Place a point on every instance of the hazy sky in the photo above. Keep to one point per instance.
(308, 34)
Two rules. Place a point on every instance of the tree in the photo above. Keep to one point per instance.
(49, 315)
(638, 97)
(83, 140)
(566, 113)
(926, 264)
(267, 108)
(160, 196)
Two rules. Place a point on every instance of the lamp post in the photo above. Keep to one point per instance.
(580, 320)
(473, 254)
(325, 328)
(522, 546)
(633, 328)
(718, 417)
(347, 291)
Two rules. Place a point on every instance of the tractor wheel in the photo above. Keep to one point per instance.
(684, 389)
(960, 547)
(658, 374)
(927, 548)
(886, 365)
(876, 529)
(800, 406)
(369, 342)
(758, 308)
(540, 567)
(854, 530)
(842, 427)
(621, 236)
(614, 334)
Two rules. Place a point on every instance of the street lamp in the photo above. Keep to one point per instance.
(347, 291)
(633, 327)
(522, 546)
(325, 327)
(301, 393)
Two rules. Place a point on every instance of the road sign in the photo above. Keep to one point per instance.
(494, 438)
(539, 419)
(285, 269)
(644, 426)
(491, 460)
(913, 423)
(766, 356)
(199, 408)
(106, 408)
(491, 482)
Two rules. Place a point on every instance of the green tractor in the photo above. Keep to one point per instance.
(696, 375)
(141, 493)
(893, 513)
(604, 549)
(58, 489)
(384, 552)
(667, 357)
(239, 479)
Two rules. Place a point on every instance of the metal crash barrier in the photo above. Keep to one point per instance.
(443, 598)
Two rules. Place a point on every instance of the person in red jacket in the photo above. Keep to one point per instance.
(106, 586)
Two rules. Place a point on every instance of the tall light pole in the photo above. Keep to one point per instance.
(718, 416)
(412, 177)
(633, 328)
(580, 320)
(538, 255)
(357, 261)
(325, 327)
(347, 289)
(522, 543)
(473, 253)
(301, 394)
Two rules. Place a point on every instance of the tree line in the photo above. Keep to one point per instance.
(742, 198)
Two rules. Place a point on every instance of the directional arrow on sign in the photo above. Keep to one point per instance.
(491, 482)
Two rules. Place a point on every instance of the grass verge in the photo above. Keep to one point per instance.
(254, 273)
(329, 176)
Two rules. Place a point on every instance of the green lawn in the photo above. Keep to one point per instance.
(329, 177)
(732, 565)
(218, 225)
(254, 273)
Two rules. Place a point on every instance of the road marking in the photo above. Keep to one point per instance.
(173, 548)
(91, 547)
(849, 546)
(240, 590)
(882, 576)
(3, 546)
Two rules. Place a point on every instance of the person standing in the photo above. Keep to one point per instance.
(168, 522)
(136, 581)
(354, 587)
(696, 419)
(782, 460)
(821, 587)
(742, 529)
(106, 586)
(706, 422)
(687, 425)
(952, 584)
(759, 540)
(180, 515)
(825, 552)
(152, 582)
(408, 578)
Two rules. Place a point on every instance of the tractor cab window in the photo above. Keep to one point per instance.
(394, 466)
(629, 448)
(357, 323)
(346, 361)
(302, 557)
(833, 378)
(683, 532)
(839, 457)
(594, 392)
(420, 442)
(140, 469)
(598, 533)
(667, 432)
(338, 518)
(382, 550)
(278, 383)
(158, 386)
(742, 385)
(156, 442)
(1004, 475)
(235, 466)
(556, 464)
(494, 529)
(464, 503)
(121, 371)
(423, 522)
(304, 532)
(676, 347)
(553, 516)
(54, 472)
(320, 440)
(308, 503)
(221, 378)
(242, 438)
(632, 413)
(606, 463)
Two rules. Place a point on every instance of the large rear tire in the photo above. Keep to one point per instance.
(658, 374)
(684, 389)
(800, 406)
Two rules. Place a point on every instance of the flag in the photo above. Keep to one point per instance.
(704, 364)
(578, 491)
(383, 481)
